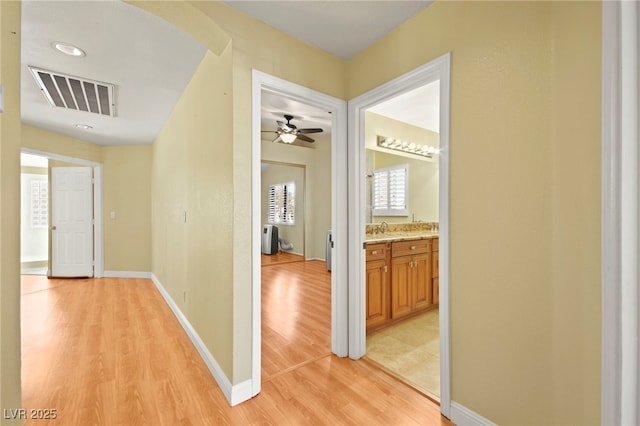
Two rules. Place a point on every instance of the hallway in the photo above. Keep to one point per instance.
(109, 351)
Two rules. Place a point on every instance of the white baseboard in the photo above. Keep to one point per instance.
(462, 416)
(234, 394)
(126, 274)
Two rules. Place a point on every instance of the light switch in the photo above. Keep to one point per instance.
(112, 215)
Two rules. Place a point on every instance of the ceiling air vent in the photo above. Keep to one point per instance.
(77, 93)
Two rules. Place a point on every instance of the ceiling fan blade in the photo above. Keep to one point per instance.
(314, 130)
(277, 139)
(305, 138)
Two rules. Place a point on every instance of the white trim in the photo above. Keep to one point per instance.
(98, 240)
(127, 274)
(439, 68)
(339, 210)
(98, 222)
(462, 416)
(620, 393)
(234, 394)
(611, 368)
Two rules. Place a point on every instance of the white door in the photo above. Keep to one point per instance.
(71, 222)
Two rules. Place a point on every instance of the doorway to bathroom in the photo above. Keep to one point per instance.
(402, 302)
(415, 258)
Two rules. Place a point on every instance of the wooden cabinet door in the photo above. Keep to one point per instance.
(435, 271)
(401, 289)
(421, 281)
(436, 290)
(377, 306)
(435, 264)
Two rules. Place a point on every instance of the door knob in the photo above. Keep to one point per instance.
(53, 228)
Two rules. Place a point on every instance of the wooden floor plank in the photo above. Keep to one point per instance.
(110, 352)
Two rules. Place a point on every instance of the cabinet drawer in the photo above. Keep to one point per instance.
(404, 248)
(377, 251)
(436, 244)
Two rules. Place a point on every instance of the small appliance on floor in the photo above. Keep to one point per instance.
(269, 239)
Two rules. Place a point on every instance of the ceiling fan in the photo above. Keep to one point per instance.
(288, 132)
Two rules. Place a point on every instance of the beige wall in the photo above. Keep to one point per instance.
(126, 177)
(10, 394)
(575, 201)
(126, 174)
(192, 174)
(55, 143)
(525, 306)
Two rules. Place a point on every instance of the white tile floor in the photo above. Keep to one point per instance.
(410, 349)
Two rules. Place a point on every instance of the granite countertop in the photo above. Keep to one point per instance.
(399, 236)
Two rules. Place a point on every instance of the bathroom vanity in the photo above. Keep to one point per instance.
(401, 274)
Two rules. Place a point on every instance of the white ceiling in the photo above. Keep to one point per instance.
(343, 28)
(419, 107)
(148, 60)
(151, 62)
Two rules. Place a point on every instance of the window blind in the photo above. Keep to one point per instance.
(282, 203)
(390, 186)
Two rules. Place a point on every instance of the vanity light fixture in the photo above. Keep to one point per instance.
(68, 49)
(84, 126)
(408, 147)
(288, 137)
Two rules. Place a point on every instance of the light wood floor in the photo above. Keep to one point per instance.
(280, 258)
(110, 352)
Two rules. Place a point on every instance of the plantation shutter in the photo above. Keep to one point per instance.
(390, 188)
(282, 204)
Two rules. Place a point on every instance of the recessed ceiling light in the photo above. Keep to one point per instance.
(68, 49)
(84, 126)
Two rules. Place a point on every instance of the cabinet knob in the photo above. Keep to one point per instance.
(413, 247)
(374, 251)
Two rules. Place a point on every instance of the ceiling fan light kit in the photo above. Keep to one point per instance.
(288, 132)
(288, 137)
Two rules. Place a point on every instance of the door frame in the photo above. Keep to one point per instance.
(339, 212)
(437, 69)
(620, 222)
(98, 226)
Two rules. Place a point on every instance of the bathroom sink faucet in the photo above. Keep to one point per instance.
(383, 227)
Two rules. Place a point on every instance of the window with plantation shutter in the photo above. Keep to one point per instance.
(390, 191)
(282, 203)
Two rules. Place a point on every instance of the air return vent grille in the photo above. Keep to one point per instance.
(77, 93)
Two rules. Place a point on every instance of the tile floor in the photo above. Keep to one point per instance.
(410, 349)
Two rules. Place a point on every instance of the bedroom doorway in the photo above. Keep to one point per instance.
(337, 109)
